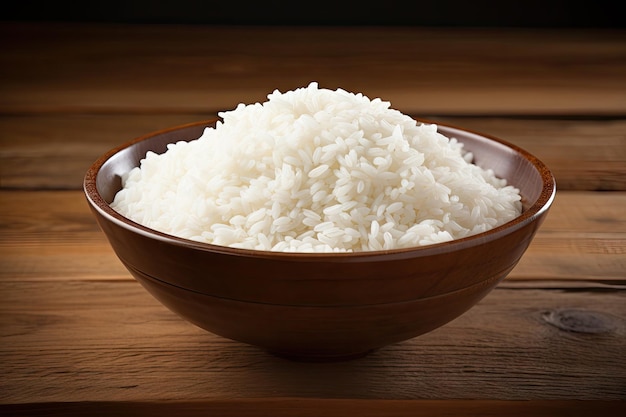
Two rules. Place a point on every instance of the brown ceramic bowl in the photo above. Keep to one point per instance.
(321, 306)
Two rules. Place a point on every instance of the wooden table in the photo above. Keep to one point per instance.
(79, 336)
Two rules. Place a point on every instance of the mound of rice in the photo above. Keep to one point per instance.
(317, 170)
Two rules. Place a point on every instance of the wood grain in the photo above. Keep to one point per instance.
(67, 341)
(79, 336)
(159, 68)
(55, 151)
(583, 154)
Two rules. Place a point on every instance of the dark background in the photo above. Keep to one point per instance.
(475, 13)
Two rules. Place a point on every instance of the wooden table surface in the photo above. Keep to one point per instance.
(78, 336)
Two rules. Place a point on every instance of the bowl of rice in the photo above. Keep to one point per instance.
(320, 224)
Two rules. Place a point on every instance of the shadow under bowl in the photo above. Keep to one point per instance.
(312, 306)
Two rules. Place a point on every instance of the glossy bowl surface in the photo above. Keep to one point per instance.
(321, 306)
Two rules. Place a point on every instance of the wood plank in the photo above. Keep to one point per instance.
(583, 237)
(137, 68)
(581, 243)
(55, 151)
(111, 341)
(53, 235)
(278, 407)
(582, 154)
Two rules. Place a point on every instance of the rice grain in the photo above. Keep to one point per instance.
(317, 170)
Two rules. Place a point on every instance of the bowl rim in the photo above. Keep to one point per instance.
(529, 215)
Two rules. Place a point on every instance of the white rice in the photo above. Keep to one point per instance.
(317, 170)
